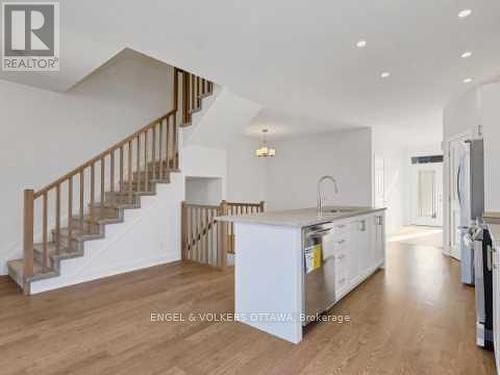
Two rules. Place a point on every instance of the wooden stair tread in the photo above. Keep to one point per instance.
(75, 232)
(97, 218)
(64, 252)
(16, 266)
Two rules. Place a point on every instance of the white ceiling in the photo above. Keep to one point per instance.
(298, 57)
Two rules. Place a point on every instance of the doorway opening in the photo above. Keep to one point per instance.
(204, 190)
(427, 190)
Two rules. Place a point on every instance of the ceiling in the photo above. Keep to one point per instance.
(298, 57)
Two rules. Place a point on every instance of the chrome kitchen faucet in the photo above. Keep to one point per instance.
(320, 193)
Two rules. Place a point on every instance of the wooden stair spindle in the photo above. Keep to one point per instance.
(129, 170)
(70, 206)
(153, 153)
(146, 161)
(103, 180)
(82, 198)
(184, 226)
(112, 173)
(120, 173)
(160, 150)
(92, 190)
(138, 163)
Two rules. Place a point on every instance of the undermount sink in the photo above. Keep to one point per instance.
(340, 210)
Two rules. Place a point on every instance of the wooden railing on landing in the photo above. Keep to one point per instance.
(126, 168)
(206, 240)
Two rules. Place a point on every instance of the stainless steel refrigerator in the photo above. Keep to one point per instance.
(470, 193)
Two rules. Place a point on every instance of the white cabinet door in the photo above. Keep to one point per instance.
(362, 232)
(359, 247)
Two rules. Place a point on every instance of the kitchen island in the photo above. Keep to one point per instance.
(292, 265)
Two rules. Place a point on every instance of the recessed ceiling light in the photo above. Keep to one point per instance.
(464, 13)
(361, 43)
(385, 74)
(466, 55)
(467, 80)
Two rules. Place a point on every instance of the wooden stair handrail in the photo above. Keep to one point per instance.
(103, 154)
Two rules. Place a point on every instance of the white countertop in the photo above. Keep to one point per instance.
(302, 217)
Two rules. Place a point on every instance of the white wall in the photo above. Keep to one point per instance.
(491, 128)
(203, 190)
(223, 121)
(462, 114)
(46, 134)
(200, 161)
(289, 180)
(246, 173)
(291, 177)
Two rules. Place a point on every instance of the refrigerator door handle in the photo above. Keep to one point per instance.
(489, 258)
(459, 173)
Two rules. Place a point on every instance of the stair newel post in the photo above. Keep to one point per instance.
(184, 227)
(224, 228)
(28, 233)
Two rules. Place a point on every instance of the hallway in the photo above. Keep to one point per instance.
(419, 235)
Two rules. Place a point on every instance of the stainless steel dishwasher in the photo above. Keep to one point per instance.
(318, 269)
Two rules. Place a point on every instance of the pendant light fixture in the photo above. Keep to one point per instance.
(264, 150)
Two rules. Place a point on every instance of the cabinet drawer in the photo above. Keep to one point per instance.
(340, 227)
(340, 243)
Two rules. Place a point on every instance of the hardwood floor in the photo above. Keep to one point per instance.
(413, 318)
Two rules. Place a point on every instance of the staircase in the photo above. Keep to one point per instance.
(79, 205)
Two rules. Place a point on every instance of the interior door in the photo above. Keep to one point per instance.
(427, 194)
